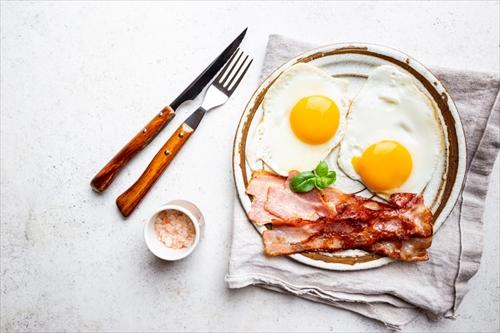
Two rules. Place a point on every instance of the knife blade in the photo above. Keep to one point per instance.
(208, 74)
(107, 174)
(218, 93)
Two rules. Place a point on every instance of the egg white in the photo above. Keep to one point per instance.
(274, 141)
(391, 107)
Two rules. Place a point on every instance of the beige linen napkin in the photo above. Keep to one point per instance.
(393, 294)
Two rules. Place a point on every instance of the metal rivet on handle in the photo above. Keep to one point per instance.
(161, 114)
(181, 135)
(144, 130)
(167, 152)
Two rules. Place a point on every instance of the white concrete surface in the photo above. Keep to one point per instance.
(79, 79)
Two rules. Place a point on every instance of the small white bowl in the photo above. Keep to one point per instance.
(161, 250)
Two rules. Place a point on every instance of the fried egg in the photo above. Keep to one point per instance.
(392, 139)
(303, 119)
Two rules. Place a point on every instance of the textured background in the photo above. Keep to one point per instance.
(79, 79)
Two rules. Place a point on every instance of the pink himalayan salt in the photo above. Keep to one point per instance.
(174, 229)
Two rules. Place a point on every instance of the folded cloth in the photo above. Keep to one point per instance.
(396, 293)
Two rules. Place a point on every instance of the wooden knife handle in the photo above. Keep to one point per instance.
(105, 177)
(129, 199)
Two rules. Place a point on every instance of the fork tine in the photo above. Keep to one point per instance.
(240, 77)
(224, 69)
(236, 73)
(234, 63)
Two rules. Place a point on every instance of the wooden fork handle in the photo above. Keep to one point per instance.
(105, 177)
(129, 199)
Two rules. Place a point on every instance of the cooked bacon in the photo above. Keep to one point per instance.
(261, 181)
(258, 187)
(414, 249)
(289, 206)
(331, 220)
(406, 207)
(274, 202)
(341, 233)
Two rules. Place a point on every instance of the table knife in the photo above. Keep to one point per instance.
(219, 91)
(105, 177)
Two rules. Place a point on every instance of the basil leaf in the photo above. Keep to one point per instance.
(332, 175)
(318, 183)
(321, 169)
(303, 182)
(322, 182)
(320, 178)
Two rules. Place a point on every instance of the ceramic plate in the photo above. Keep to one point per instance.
(354, 62)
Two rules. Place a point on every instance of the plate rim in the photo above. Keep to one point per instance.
(398, 58)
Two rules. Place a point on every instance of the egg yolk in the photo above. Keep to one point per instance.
(384, 165)
(315, 119)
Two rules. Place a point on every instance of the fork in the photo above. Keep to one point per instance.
(217, 94)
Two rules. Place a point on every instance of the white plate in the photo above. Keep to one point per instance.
(355, 62)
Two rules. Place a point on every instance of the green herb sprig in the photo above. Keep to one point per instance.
(321, 178)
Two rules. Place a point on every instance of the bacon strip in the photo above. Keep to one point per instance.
(258, 187)
(341, 233)
(331, 220)
(414, 249)
(290, 206)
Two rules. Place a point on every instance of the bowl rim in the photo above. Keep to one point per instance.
(150, 235)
